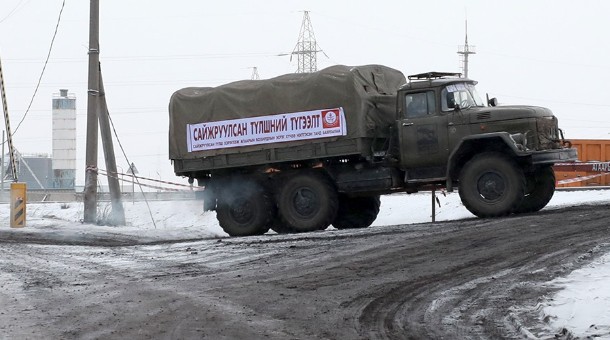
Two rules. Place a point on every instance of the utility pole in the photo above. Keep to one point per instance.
(118, 213)
(306, 48)
(18, 197)
(464, 52)
(2, 171)
(11, 149)
(90, 191)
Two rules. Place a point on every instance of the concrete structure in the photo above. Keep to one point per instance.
(64, 140)
(34, 170)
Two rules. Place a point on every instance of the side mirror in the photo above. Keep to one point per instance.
(492, 102)
(453, 105)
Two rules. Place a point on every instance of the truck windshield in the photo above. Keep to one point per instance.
(463, 94)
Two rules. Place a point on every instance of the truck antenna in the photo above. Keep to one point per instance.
(464, 51)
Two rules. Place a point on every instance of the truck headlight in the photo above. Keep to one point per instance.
(520, 140)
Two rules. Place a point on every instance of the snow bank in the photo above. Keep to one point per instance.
(582, 306)
(173, 220)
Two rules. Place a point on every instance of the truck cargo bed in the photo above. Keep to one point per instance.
(343, 147)
(341, 110)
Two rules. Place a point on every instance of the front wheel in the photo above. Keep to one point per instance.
(244, 208)
(491, 184)
(540, 190)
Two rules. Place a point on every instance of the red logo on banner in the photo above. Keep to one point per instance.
(330, 119)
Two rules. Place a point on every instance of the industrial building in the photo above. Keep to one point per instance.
(41, 172)
(64, 140)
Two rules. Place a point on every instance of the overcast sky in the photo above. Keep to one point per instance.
(547, 53)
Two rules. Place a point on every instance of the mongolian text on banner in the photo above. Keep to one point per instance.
(286, 127)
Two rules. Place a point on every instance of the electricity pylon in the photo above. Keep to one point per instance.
(306, 48)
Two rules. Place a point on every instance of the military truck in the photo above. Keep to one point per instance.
(300, 152)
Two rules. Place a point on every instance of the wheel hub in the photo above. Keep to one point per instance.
(305, 202)
(491, 186)
(241, 210)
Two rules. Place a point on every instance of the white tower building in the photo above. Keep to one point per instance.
(64, 140)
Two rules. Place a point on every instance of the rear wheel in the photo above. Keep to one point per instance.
(279, 227)
(356, 212)
(244, 208)
(491, 184)
(307, 201)
(540, 190)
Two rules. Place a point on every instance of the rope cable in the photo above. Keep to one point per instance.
(43, 68)
(128, 162)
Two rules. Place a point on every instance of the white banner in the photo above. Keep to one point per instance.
(284, 127)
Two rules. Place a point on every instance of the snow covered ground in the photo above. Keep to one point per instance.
(581, 306)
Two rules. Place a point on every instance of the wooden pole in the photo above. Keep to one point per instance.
(118, 213)
(90, 191)
(2, 171)
(433, 204)
(11, 148)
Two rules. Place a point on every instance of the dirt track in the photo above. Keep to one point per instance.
(465, 279)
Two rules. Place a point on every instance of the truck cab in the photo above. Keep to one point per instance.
(500, 157)
(442, 117)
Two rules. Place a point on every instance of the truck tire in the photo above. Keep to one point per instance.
(356, 212)
(279, 227)
(491, 184)
(244, 208)
(307, 201)
(540, 190)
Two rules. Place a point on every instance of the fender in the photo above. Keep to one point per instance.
(503, 140)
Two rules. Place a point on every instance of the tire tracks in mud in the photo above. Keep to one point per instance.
(478, 276)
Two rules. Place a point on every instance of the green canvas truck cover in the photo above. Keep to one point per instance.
(366, 94)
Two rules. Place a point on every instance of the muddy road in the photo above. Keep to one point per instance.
(465, 279)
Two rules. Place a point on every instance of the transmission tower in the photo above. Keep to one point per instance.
(255, 75)
(464, 51)
(307, 48)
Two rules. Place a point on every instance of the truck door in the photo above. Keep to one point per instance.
(423, 136)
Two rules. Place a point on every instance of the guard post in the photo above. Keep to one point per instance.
(18, 203)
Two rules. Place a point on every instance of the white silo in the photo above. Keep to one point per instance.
(64, 140)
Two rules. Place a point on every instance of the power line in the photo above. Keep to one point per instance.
(541, 61)
(14, 10)
(552, 100)
(137, 58)
(204, 82)
(131, 164)
(43, 68)
(389, 29)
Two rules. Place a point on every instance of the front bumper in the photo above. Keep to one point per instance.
(554, 156)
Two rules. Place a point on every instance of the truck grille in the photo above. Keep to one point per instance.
(548, 133)
(483, 115)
